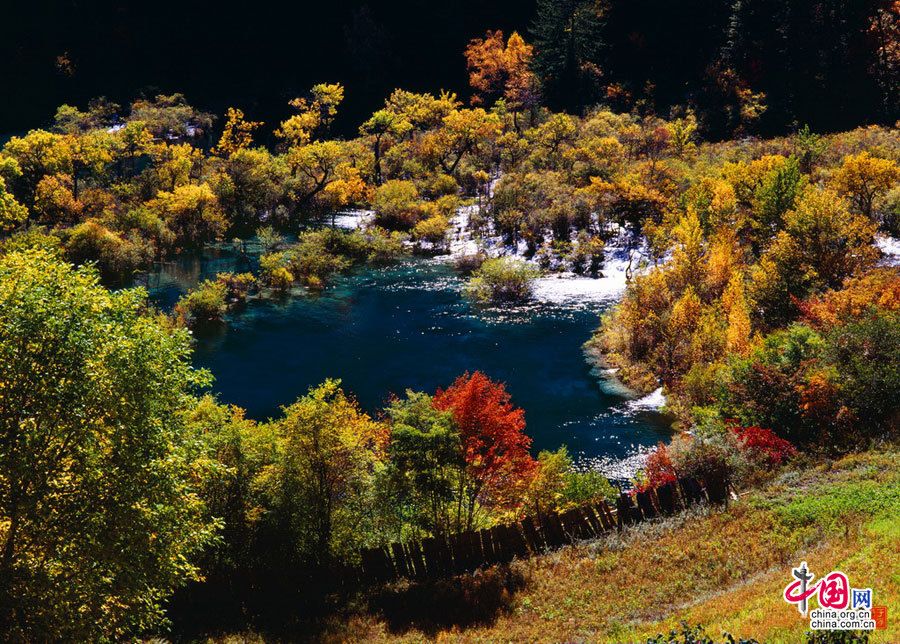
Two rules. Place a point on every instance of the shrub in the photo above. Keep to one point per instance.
(274, 271)
(397, 205)
(206, 303)
(557, 485)
(468, 264)
(762, 445)
(116, 257)
(237, 285)
(383, 246)
(659, 469)
(502, 280)
(708, 455)
(432, 230)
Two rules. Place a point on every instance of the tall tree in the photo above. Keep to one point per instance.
(99, 519)
(495, 446)
(568, 43)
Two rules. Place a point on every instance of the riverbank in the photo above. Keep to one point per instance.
(723, 570)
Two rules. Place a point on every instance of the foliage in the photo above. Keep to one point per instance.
(426, 464)
(117, 258)
(203, 304)
(659, 469)
(499, 280)
(319, 489)
(494, 444)
(763, 444)
(557, 485)
(237, 135)
(100, 516)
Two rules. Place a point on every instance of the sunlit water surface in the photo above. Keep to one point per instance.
(408, 326)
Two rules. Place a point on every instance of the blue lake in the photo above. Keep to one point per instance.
(408, 326)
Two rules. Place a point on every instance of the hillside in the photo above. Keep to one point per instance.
(724, 569)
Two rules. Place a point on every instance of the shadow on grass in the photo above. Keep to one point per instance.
(469, 600)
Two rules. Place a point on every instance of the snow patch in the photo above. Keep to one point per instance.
(890, 248)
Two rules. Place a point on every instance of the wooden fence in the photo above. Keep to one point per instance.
(465, 552)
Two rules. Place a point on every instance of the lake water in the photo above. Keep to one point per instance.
(408, 326)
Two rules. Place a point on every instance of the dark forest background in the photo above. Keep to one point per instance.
(816, 60)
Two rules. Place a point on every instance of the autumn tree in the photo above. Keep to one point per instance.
(864, 178)
(495, 446)
(237, 135)
(171, 117)
(99, 516)
(320, 487)
(502, 71)
(822, 244)
(425, 463)
(314, 116)
(192, 214)
(12, 213)
(381, 127)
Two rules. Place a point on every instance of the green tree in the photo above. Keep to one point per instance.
(99, 519)
(321, 487)
(568, 41)
(426, 461)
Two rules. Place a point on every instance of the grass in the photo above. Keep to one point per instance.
(723, 569)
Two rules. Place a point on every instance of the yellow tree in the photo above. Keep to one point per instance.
(12, 213)
(502, 71)
(237, 135)
(463, 132)
(174, 165)
(192, 213)
(383, 126)
(314, 114)
(864, 178)
(321, 486)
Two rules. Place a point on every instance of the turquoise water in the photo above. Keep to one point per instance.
(382, 331)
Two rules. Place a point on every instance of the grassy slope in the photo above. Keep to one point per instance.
(724, 569)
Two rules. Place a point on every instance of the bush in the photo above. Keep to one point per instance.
(762, 445)
(206, 303)
(274, 271)
(659, 469)
(432, 230)
(116, 257)
(502, 280)
(557, 485)
(396, 205)
(237, 285)
(383, 246)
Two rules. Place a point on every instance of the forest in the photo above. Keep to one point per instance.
(762, 297)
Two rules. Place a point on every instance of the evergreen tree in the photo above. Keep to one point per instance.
(568, 38)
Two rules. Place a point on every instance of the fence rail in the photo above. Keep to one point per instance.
(465, 552)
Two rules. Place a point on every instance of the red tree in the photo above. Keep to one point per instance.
(762, 444)
(659, 468)
(495, 446)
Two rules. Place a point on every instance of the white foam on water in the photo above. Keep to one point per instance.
(890, 248)
(653, 401)
(351, 219)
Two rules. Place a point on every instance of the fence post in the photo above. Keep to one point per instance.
(417, 564)
(532, 536)
(645, 503)
(665, 494)
(400, 563)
